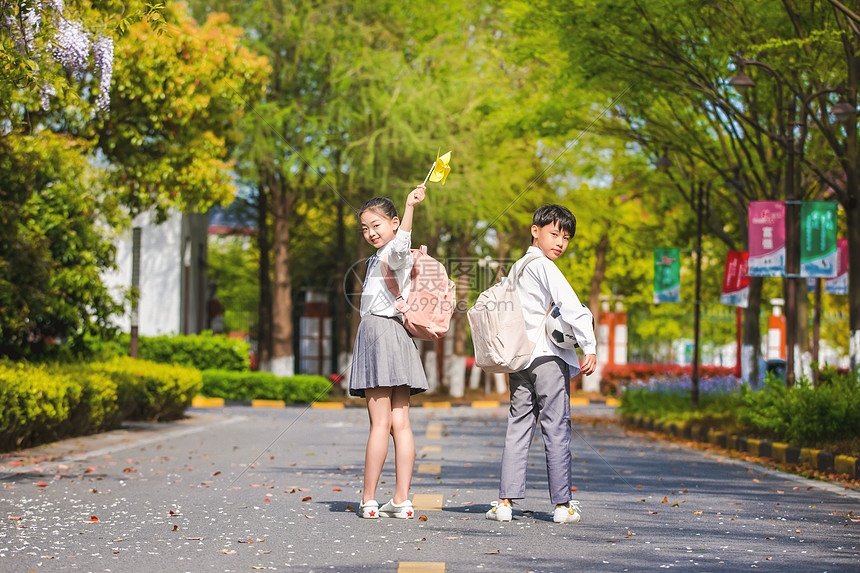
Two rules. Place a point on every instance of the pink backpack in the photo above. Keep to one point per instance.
(432, 297)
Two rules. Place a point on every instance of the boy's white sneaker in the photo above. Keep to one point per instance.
(369, 510)
(399, 510)
(501, 512)
(565, 514)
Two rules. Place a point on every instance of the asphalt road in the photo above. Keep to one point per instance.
(242, 489)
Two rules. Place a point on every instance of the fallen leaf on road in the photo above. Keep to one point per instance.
(227, 552)
(653, 512)
(17, 518)
(350, 508)
(756, 480)
(452, 538)
(175, 528)
(41, 484)
(573, 488)
(676, 504)
(256, 567)
(93, 518)
(309, 516)
(336, 489)
(422, 518)
(491, 552)
(770, 537)
(665, 499)
(697, 512)
(308, 498)
(267, 499)
(216, 473)
(194, 538)
(246, 541)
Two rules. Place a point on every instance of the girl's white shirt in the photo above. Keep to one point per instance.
(541, 285)
(375, 296)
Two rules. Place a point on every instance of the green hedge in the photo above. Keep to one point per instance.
(43, 403)
(804, 415)
(265, 386)
(202, 351)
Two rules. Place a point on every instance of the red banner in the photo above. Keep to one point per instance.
(736, 281)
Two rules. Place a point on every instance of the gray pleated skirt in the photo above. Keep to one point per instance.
(385, 355)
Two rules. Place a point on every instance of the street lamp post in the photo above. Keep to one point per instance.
(743, 82)
(663, 162)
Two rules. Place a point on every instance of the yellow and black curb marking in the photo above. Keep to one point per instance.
(204, 402)
(784, 453)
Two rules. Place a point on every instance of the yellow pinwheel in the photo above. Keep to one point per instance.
(440, 169)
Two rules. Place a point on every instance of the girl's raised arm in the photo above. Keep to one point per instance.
(415, 196)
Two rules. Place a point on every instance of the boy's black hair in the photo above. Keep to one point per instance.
(549, 214)
(382, 205)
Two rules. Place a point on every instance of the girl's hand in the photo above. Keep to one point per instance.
(415, 196)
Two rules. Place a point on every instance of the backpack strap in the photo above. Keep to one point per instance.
(391, 280)
(516, 272)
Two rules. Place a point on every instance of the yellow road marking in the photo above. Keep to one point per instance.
(268, 403)
(420, 567)
(328, 405)
(429, 468)
(429, 449)
(427, 502)
(204, 402)
(485, 404)
(434, 431)
(437, 404)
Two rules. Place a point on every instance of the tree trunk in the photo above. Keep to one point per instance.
(752, 334)
(599, 273)
(852, 213)
(282, 362)
(456, 374)
(264, 334)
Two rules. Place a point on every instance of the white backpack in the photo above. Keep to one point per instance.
(498, 326)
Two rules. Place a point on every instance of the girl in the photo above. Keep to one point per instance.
(386, 366)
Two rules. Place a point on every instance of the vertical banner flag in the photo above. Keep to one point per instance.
(736, 283)
(767, 238)
(839, 284)
(667, 276)
(818, 239)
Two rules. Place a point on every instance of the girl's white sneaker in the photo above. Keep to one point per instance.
(369, 510)
(400, 510)
(501, 512)
(565, 514)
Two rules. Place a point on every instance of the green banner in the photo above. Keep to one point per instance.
(667, 276)
(818, 256)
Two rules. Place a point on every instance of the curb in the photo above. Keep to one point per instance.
(781, 452)
(204, 402)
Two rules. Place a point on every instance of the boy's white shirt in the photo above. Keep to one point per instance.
(540, 285)
(375, 296)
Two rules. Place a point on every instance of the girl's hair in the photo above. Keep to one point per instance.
(382, 205)
(549, 214)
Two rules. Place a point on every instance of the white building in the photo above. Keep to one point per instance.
(172, 274)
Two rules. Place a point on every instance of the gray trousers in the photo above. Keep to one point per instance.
(541, 389)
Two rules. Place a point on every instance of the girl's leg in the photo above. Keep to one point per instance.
(404, 442)
(379, 410)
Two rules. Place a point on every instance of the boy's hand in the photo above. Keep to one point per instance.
(588, 364)
(415, 196)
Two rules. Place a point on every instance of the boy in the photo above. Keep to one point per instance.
(544, 386)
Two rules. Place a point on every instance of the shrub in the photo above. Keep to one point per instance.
(264, 385)
(805, 414)
(44, 403)
(202, 351)
(149, 391)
